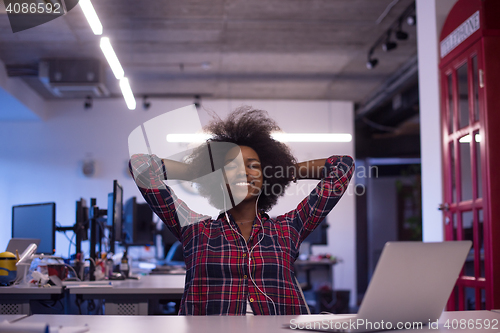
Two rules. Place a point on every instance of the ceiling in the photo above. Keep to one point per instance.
(273, 49)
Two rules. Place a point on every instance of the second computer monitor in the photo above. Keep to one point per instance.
(115, 213)
(138, 226)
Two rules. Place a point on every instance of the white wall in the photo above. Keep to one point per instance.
(41, 161)
(431, 15)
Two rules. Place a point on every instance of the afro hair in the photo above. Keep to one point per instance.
(252, 128)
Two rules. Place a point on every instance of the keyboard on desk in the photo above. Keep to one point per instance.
(168, 270)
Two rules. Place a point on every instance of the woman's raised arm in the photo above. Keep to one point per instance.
(312, 169)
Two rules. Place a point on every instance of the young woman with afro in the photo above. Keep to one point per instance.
(242, 261)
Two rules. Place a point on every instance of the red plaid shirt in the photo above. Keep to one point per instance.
(220, 266)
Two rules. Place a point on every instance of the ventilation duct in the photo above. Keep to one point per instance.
(73, 78)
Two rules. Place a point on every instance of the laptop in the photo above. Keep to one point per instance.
(409, 289)
(20, 244)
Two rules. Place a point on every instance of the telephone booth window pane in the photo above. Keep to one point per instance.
(455, 235)
(468, 234)
(465, 167)
(476, 88)
(450, 103)
(456, 298)
(479, 180)
(480, 231)
(452, 167)
(470, 298)
(483, 299)
(463, 96)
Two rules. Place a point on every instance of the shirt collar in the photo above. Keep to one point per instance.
(222, 215)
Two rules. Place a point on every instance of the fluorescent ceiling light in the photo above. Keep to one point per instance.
(312, 137)
(127, 93)
(91, 16)
(111, 57)
(468, 138)
(283, 137)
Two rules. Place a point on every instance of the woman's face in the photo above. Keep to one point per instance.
(245, 181)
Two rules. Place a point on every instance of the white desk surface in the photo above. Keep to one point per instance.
(217, 324)
(11, 317)
(30, 290)
(147, 284)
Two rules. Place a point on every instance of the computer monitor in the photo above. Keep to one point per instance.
(138, 225)
(81, 227)
(115, 214)
(82, 219)
(36, 221)
(319, 235)
(168, 239)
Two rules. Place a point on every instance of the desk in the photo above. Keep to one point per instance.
(131, 297)
(16, 299)
(217, 324)
(10, 317)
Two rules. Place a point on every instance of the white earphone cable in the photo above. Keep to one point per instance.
(246, 245)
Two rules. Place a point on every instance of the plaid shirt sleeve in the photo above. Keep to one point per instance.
(311, 211)
(149, 173)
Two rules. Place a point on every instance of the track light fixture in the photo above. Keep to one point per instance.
(88, 103)
(385, 39)
(411, 20)
(388, 44)
(197, 101)
(145, 102)
(400, 34)
(371, 62)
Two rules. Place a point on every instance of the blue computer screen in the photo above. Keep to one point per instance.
(36, 221)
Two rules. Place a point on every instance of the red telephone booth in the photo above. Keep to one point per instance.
(470, 123)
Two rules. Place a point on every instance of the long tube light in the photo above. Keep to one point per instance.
(109, 53)
(91, 16)
(112, 59)
(283, 137)
(127, 94)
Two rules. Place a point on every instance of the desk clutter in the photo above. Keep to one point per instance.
(108, 234)
(50, 285)
(146, 295)
(102, 254)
